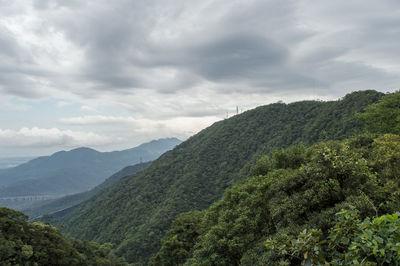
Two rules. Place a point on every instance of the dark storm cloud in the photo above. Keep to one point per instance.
(119, 49)
(236, 57)
(239, 46)
(251, 43)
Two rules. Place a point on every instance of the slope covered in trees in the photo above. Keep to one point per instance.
(24, 243)
(65, 202)
(135, 212)
(285, 213)
(298, 188)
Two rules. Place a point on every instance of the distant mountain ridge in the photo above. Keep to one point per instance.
(135, 212)
(68, 172)
(9, 162)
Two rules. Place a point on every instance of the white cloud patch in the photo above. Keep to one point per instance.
(63, 104)
(144, 129)
(51, 137)
(87, 108)
(98, 119)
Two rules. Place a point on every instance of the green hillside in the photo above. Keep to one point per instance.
(52, 206)
(135, 213)
(307, 206)
(298, 188)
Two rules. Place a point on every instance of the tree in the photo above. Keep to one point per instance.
(384, 116)
(349, 242)
(36, 243)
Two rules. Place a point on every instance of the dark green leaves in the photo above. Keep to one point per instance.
(36, 243)
(384, 116)
(281, 208)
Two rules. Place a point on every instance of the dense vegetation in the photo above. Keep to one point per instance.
(298, 188)
(69, 201)
(285, 213)
(348, 241)
(71, 172)
(135, 213)
(383, 117)
(24, 243)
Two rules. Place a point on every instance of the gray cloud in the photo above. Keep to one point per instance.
(17, 68)
(137, 70)
(237, 57)
(171, 59)
(55, 4)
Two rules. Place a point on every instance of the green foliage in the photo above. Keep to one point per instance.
(263, 166)
(36, 243)
(377, 241)
(137, 211)
(179, 240)
(384, 116)
(386, 150)
(289, 199)
(349, 242)
(292, 157)
(305, 249)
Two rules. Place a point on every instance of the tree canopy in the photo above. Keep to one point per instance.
(300, 191)
(384, 116)
(36, 243)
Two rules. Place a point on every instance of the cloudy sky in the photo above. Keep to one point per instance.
(114, 74)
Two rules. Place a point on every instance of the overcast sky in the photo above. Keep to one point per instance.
(113, 74)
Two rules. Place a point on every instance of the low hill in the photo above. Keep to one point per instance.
(135, 212)
(68, 172)
(51, 206)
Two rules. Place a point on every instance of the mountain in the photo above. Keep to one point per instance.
(74, 171)
(334, 203)
(135, 212)
(297, 192)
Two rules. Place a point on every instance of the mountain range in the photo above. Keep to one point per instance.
(135, 212)
(68, 172)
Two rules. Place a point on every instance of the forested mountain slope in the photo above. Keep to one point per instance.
(299, 188)
(135, 213)
(51, 206)
(285, 213)
(74, 171)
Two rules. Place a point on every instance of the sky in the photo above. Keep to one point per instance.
(113, 74)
